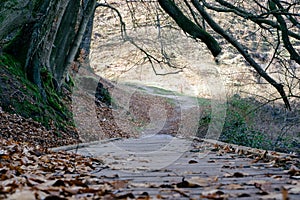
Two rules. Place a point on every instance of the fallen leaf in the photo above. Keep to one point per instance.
(216, 147)
(285, 194)
(265, 188)
(227, 148)
(294, 171)
(239, 174)
(119, 184)
(72, 190)
(144, 196)
(166, 186)
(235, 174)
(243, 195)
(261, 156)
(54, 197)
(193, 162)
(59, 183)
(124, 195)
(214, 194)
(186, 184)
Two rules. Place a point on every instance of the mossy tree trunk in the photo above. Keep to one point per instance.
(44, 34)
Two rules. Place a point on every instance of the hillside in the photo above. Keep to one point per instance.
(251, 109)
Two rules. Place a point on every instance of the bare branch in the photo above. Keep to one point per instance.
(190, 27)
(242, 51)
(165, 59)
(273, 4)
(123, 25)
(259, 19)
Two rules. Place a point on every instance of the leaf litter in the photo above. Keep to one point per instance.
(33, 172)
(30, 171)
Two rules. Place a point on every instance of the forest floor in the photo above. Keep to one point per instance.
(146, 164)
(168, 168)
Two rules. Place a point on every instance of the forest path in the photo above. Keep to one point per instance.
(179, 118)
(166, 167)
(182, 100)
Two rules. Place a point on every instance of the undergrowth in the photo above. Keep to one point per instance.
(238, 127)
(249, 123)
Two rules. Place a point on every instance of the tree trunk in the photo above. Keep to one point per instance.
(88, 11)
(44, 34)
(64, 40)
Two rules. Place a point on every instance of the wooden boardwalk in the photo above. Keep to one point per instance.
(166, 167)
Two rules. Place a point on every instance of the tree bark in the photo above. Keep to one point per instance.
(47, 34)
(64, 39)
(87, 37)
(87, 13)
(14, 15)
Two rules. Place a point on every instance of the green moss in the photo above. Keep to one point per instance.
(11, 64)
(26, 108)
(52, 96)
(71, 82)
(15, 68)
(24, 98)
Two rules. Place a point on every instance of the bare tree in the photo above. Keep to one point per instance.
(265, 33)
